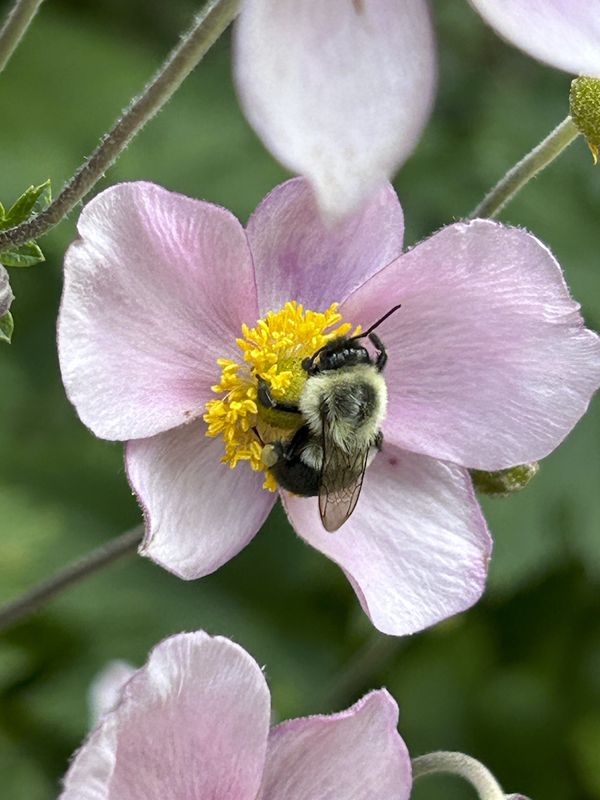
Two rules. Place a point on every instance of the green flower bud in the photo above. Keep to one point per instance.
(504, 481)
(584, 99)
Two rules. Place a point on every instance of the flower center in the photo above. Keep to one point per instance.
(273, 351)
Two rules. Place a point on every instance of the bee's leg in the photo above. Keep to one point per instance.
(297, 443)
(276, 452)
(266, 399)
(378, 443)
(308, 364)
(381, 359)
(257, 434)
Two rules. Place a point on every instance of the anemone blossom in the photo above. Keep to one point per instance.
(195, 723)
(172, 311)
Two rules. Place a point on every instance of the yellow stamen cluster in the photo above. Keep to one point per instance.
(273, 350)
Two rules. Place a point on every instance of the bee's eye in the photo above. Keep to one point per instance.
(306, 364)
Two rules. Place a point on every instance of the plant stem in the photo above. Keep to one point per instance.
(206, 29)
(32, 600)
(466, 767)
(526, 169)
(15, 27)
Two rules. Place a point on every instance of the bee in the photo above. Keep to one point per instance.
(342, 405)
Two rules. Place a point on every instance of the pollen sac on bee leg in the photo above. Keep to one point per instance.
(504, 482)
(269, 456)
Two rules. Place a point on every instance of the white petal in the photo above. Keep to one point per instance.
(339, 91)
(563, 33)
(107, 687)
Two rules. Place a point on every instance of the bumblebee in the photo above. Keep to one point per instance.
(342, 405)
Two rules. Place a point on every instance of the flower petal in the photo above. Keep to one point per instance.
(192, 723)
(489, 363)
(155, 291)
(199, 513)
(107, 687)
(355, 755)
(338, 91)
(563, 33)
(6, 295)
(298, 257)
(415, 549)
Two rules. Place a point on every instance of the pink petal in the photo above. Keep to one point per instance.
(415, 549)
(192, 724)
(489, 362)
(107, 688)
(199, 513)
(355, 755)
(563, 33)
(298, 257)
(155, 291)
(338, 91)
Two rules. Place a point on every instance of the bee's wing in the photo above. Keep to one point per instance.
(339, 468)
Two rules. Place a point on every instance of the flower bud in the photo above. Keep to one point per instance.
(6, 295)
(584, 99)
(503, 482)
(6, 298)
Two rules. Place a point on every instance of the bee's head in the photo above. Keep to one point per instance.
(342, 351)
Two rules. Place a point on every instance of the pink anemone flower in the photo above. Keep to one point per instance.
(195, 723)
(340, 91)
(171, 312)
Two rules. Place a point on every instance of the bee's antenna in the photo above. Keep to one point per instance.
(379, 321)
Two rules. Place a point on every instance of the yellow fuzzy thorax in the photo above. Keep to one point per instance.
(273, 350)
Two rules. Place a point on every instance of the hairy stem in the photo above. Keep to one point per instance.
(73, 573)
(206, 29)
(15, 27)
(460, 764)
(526, 169)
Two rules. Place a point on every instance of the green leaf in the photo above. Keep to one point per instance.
(26, 255)
(7, 326)
(32, 201)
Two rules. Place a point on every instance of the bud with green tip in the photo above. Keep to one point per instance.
(6, 298)
(584, 99)
(6, 295)
(31, 202)
(504, 481)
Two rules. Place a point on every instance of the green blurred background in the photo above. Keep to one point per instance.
(516, 680)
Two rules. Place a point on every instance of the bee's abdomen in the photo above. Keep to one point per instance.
(297, 477)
